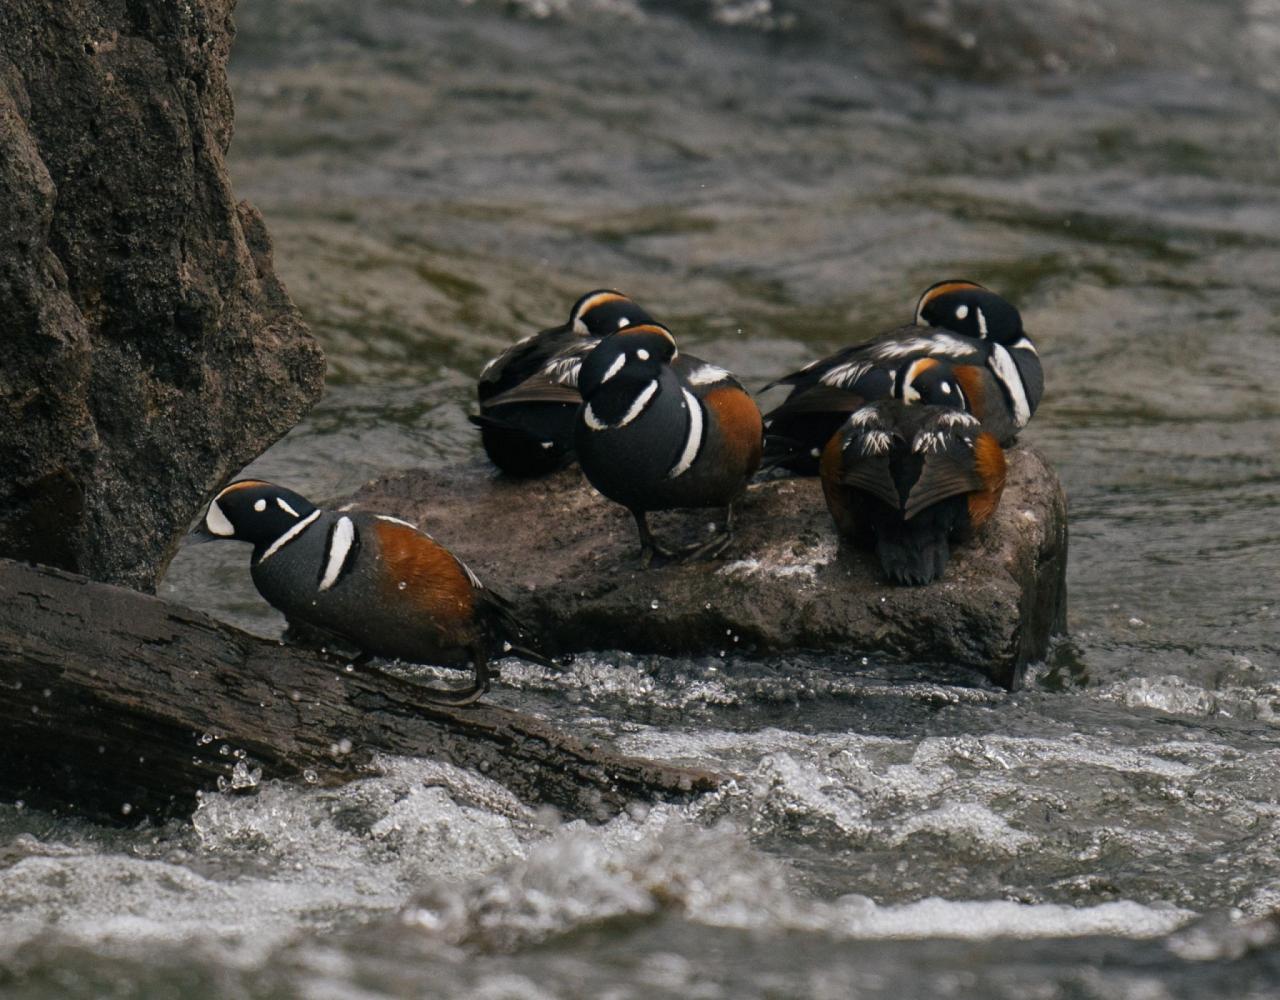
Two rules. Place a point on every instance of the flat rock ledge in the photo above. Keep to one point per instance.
(568, 559)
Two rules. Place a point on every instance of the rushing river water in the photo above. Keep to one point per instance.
(774, 180)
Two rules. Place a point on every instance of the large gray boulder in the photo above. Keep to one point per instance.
(149, 349)
(568, 559)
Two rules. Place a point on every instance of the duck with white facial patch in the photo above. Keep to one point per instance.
(529, 394)
(651, 438)
(370, 580)
(958, 322)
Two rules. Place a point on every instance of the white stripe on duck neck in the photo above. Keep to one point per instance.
(637, 407)
(289, 536)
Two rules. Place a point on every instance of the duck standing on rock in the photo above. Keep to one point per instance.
(372, 580)
(907, 477)
(652, 438)
(972, 328)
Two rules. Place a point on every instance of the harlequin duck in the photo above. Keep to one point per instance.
(969, 326)
(906, 479)
(372, 580)
(527, 394)
(651, 438)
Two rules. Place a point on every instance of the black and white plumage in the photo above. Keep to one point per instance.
(651, 438)
(371, 580)
(907, 480)
(959, 322)
(529, 394)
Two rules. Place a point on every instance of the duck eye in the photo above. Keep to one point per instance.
(962, 311)
(260, 506)
(642, 354)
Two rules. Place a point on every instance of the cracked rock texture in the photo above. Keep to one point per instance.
(568, 559)
(149, 349)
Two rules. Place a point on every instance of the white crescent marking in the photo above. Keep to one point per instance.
(217, 524)
(289, 536)
(614, 368)
(693, 443)
(637, 408)
(344, 533)
(1006, 372)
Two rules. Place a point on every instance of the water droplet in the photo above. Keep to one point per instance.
(1136, 622)
(401, 585)
(654, 604)
(310, 776)
(225, 750)
(206, 739)
(242, 777)
(126, 808)
(350, 668)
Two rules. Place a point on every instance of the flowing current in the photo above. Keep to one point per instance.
(773, 179)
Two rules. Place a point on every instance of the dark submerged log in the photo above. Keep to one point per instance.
(117, 705)
(569, 560)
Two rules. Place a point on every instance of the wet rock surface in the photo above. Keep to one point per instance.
(569, 560)
(150, 350)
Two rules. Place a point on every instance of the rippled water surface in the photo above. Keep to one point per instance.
(774, 180)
